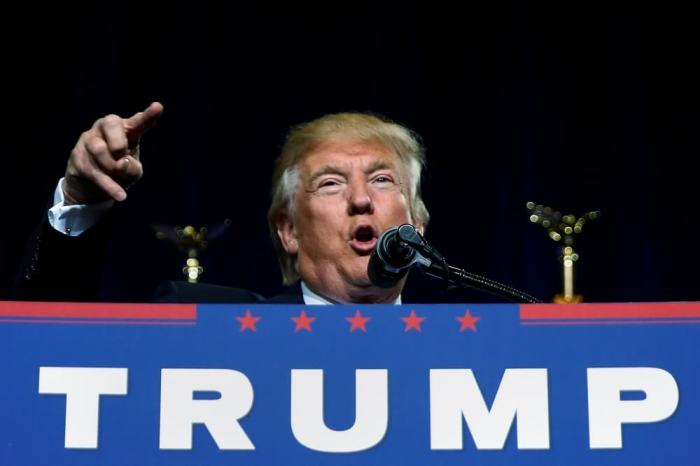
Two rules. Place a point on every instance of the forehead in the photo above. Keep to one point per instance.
(346, 154)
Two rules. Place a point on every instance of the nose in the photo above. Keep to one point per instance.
(359, 198)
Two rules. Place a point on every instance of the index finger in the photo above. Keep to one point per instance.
(140, 122)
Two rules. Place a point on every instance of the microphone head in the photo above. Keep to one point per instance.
(391, 259)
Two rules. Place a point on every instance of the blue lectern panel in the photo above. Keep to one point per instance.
(629, 370)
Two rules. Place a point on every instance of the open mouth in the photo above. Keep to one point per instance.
(364, 238)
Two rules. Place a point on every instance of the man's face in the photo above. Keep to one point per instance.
(349, 192)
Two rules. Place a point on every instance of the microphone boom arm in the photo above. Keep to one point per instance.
(455, 276)
(433, 264)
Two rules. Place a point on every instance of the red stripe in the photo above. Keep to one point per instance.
(99, 310)
(609, 311)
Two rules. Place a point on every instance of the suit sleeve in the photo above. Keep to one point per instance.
(57, 267)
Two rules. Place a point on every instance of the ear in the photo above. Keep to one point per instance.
(287, 234)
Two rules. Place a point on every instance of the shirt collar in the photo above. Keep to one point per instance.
(312, 298)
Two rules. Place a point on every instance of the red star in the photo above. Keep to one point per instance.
(413, 321)
(248, 321)
(358, 321)
(303, 322)
(467, 321)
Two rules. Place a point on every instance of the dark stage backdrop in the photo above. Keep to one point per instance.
(579, 106)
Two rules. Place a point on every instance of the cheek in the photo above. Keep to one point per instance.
(318, 218)
(397, 209)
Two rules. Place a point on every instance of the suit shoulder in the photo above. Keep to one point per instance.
(184, 292)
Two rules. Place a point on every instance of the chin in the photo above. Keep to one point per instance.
(359, 274)
(361, 281)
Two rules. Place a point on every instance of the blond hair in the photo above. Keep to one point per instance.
(361, 127)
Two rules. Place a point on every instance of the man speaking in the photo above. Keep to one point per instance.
(339, 181)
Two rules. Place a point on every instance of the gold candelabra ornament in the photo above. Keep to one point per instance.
(191, 241)
(563, 229)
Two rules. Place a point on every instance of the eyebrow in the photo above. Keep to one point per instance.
(326, 170)
(336, 170)
(379, 165)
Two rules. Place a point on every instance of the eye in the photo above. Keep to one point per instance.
(383, 181)
(329, 186)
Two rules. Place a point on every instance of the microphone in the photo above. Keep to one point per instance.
(400, 248)
(394, 255)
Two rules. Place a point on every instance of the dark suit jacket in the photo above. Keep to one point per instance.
(57, 267)
(183, 292)
(291, 295)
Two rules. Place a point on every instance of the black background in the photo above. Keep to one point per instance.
(570, 104)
